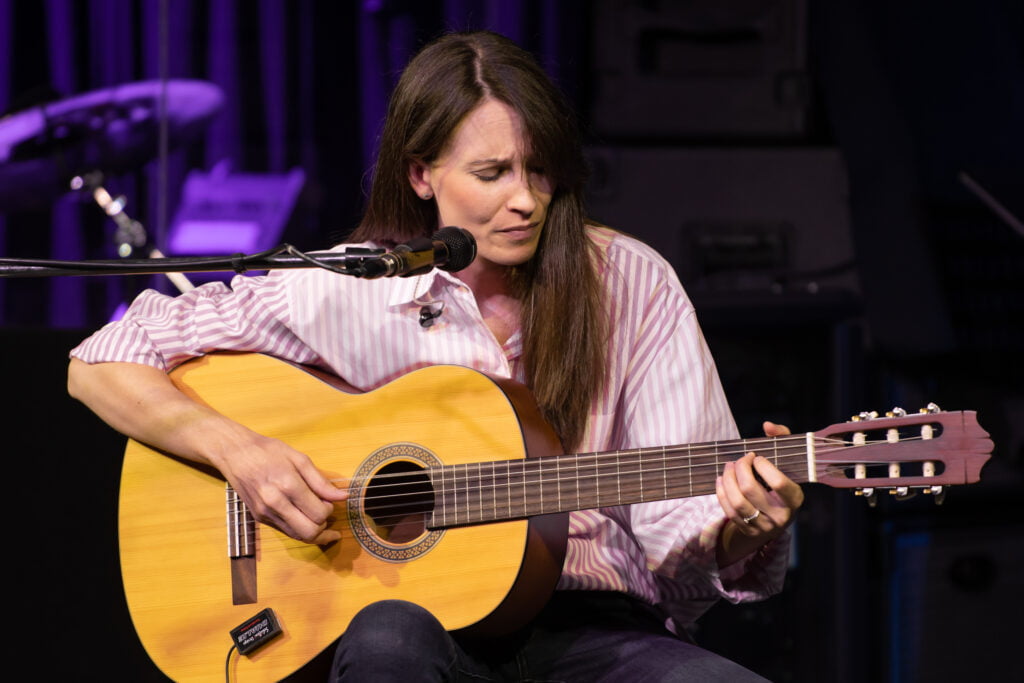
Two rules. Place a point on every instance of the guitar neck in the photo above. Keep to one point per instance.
(513, 489)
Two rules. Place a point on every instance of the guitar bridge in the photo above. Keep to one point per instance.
(241, 530)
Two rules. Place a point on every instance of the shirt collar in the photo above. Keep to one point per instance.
(420, 288)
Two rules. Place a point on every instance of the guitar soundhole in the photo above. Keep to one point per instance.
(398, 502)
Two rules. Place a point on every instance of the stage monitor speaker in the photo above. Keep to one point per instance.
(733, 220)
(700, 69)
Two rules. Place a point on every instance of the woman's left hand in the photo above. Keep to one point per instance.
(756, 513)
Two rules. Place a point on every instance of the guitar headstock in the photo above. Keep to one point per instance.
(902, 453)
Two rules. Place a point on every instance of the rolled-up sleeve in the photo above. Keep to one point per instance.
(164, 331)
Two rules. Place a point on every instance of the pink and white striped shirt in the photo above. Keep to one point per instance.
(662, 389)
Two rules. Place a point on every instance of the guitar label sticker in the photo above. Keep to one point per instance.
(256, 632)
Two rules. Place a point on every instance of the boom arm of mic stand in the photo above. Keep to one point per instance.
(348, 262)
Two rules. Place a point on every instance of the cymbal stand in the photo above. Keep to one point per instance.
(130, 234)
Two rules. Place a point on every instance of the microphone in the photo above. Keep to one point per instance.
(449, 249)
(429, 314)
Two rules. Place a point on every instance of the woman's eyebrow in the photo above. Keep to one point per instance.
(489, 162)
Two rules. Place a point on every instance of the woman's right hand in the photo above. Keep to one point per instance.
(282, 488)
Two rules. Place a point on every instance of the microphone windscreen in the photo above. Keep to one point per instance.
(461, 247)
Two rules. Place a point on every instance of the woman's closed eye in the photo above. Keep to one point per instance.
(489, 175)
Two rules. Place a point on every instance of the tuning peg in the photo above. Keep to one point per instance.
(896, 412)
(931, 408)
(903, 493)
(868, 494)
(938, 493)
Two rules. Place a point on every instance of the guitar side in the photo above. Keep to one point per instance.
(172, 519)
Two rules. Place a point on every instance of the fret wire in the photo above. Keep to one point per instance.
(544, 467)
(640, 459)
(618, 482)
(465, 490)
(470, 491)
(522, 497)
(530, 468)
(508, 491)
(479, 492)
(576, 463)
(486, 484)
(457, 490)
(455, 494)
(447, 494)
(664, 474)
(541, 469)
(545, 496)
(558, 475)
(717, 467)
(522, 470)
(449, 497)
(689, 471)
(519, 507)
(494, 489)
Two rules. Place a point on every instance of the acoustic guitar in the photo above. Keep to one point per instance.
(459, 502)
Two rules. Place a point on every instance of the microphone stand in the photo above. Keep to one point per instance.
(130, 234)
(352, 261)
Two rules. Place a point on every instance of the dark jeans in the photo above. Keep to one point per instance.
(579, 636)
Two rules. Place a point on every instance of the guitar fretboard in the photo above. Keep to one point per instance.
(514, 489)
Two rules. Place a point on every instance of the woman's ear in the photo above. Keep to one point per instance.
(419, 178)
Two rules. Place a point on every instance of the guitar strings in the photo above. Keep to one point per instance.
(604, 464)
(650, 456)
(475, 487)
(542, 471)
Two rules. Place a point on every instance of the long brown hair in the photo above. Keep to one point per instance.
(563, 326)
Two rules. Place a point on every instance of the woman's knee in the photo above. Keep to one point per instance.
(396, 621)
(395, 634)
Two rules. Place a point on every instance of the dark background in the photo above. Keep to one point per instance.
(807, 167)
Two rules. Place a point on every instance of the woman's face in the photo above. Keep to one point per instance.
(485, 182)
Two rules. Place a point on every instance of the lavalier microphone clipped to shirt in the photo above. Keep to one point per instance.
(429, 313)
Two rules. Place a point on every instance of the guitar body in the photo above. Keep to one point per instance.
(173, 519)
